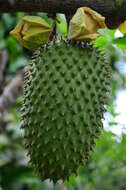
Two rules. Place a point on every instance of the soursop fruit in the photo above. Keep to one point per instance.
(65, 92)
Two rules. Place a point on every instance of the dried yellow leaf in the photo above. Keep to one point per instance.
(32, 31)
(122, 27)
(85, 23)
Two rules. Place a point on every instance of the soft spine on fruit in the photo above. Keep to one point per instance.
(65, 91)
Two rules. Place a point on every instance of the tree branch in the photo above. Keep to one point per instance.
(3, 64)
(11, 92)
(113, 10)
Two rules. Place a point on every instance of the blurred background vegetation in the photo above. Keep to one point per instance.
(106, 169)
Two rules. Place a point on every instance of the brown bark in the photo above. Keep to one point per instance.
(113, 10)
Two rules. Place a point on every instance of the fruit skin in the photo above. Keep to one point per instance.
(65, 90)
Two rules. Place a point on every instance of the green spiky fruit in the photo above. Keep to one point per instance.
(66, 88)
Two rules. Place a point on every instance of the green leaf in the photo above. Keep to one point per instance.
(121, 42)
(61, 24)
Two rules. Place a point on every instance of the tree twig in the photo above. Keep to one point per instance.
(62, 185)
(114, 11)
